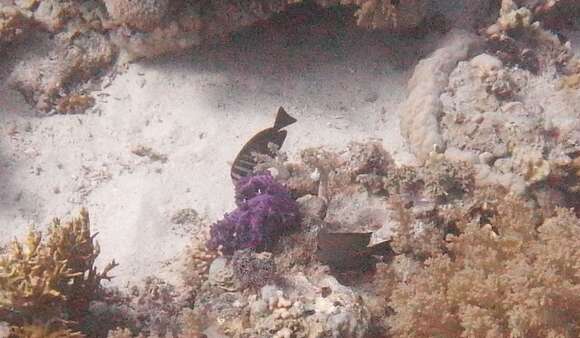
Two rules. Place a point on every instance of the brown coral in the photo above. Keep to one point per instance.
(52, 279)
(507, 277)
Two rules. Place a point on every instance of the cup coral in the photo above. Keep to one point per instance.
(265, 211)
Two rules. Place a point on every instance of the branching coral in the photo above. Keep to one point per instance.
(517, 39)
(367, 158)
(53, 279)
(322, 163)
(412, 237)
(445, 180)
(265, 211)
(439, 180)
(503, 276)
(197, 261)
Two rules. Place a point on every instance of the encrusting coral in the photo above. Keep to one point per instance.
(52, 279)
(422, 108)
(253, 269)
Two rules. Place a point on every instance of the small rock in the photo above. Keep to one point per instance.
(486, 63)
(252, 269)
(283, 333)
(372, 97)
(185, 216)
(221, 274)
(25, 4)
(4, 330)
(56, 190)
(514, 107)
(312, 206)
(486, 158)
(144, 151)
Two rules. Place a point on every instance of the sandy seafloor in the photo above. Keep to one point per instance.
(197, 109)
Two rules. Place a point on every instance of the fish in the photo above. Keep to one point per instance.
(245, 163)
(346, 251)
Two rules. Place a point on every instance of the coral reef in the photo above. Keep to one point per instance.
(487, 110)
(517, 39)
(462, 262)
(504, 275)
(143, 29)
(296, 309)
(197, 260)
(265, 211)
(53, 279)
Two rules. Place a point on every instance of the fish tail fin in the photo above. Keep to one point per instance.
(283, 119)
(382, 249)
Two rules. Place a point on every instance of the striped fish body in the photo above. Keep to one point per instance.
(245, 163)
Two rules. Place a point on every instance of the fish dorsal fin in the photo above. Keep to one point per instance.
(344, 240)
(283, 119)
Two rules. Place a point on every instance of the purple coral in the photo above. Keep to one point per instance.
(265, 211)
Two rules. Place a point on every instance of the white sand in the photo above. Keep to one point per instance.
(198, 111)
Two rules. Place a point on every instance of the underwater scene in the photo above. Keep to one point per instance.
(290, 168)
